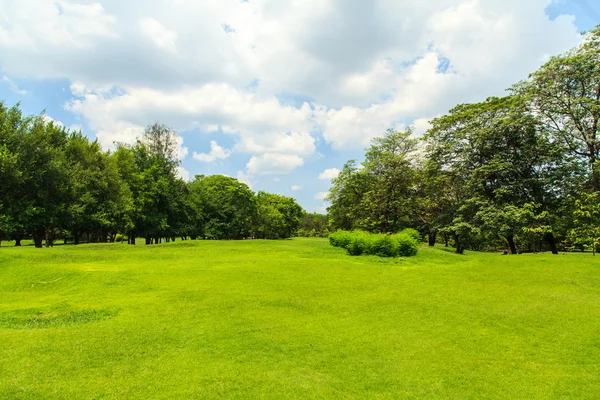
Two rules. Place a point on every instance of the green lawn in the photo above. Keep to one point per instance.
(295, 319)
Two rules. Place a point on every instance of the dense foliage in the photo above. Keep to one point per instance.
(518, 172)
(58, 184)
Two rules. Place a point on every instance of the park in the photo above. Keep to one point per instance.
(295, 319)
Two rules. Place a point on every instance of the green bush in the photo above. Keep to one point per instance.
(357, 246)
(383, 246)
(340, 238)
(356, 243)
(406, 245)
(413, 233)
(119, 238)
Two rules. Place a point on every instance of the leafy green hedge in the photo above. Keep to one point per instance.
(403, 244)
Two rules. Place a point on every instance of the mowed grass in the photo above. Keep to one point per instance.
(295, 319)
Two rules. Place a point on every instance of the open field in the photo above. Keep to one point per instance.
(295, 319)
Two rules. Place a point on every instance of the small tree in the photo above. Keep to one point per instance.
(587, 220)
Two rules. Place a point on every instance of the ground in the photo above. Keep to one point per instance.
(295, 319)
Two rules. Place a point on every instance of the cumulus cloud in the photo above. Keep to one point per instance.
(329, 174)
(162, 37)
(183, 173)
(216, 153)
(296, 188)
(48, 119)
(244, 178)
(321, 195)
(273, 164)
(221, 66)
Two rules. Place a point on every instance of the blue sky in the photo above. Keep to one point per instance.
(284, 93)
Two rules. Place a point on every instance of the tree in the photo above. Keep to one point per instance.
(587, 220)
(346, 195)
(163, 142)
(278, 216)
(496, 149)
(389, 204)
(229, 206)
(314, 225)
(565, 94)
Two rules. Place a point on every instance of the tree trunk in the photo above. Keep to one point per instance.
(38, 237)
(75, 237)
(18, 241)
(148, 239)
(49, 238)
(549, 237)
(432, 236)
(459, 249)
(132, 238)
(446, 240)
(511, 244)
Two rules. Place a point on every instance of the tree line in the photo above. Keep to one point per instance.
(521, 172)
(56, 184)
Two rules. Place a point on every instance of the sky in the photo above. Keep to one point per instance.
(277, 93)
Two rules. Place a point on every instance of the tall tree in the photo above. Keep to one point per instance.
(565, 93)
(504, 160)
(346, 196)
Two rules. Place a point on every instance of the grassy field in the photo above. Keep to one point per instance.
(295, 319)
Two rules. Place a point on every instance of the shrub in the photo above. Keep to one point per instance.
(384, 246)
(340, 238)
(356, 243)
(119, 238)
(413, 233)
(406, 245)
(356, 247)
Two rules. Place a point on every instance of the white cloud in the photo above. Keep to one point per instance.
(296, 188)
(49, 119)
(321, 195)
(183, 173)
(262, 123)
(365, 66)
(244, 178)
(76, 128)
(280, 142)
(216, 153)
(329, 174)
(161, 36)
(273, 164)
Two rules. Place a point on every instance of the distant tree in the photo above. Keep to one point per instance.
(278, 217)
(162, 141)
(314, 225)
(229, 206)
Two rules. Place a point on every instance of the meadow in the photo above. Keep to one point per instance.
(295, 319)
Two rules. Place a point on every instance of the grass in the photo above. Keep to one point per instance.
(295, 319)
